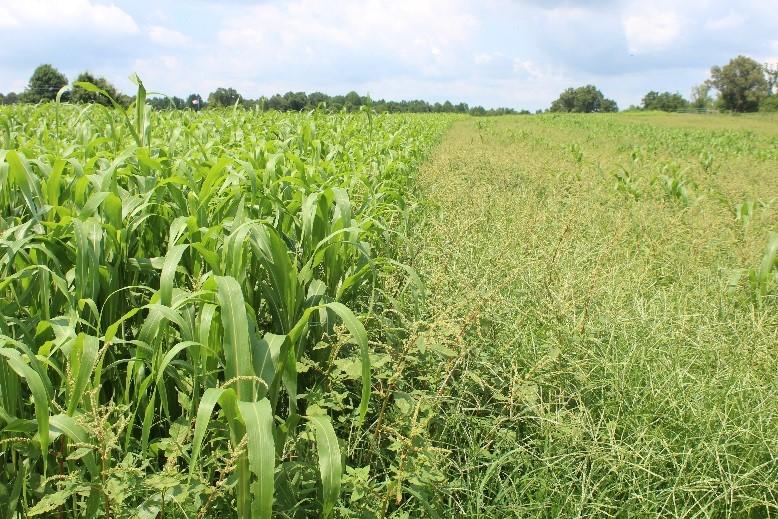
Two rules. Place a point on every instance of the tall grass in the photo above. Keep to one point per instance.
(176, 289)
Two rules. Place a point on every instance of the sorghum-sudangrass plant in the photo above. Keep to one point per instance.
(179, 291)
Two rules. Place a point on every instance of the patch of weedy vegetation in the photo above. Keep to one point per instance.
(593, 356)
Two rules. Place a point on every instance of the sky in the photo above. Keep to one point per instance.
(515, 53)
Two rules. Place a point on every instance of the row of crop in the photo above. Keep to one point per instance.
(161, 278)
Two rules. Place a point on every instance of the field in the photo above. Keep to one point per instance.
(246, 313)
(610, 280)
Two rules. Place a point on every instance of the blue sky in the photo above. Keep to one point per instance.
(518, 53)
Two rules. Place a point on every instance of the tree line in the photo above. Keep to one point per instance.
(743, 85)
(46, 81)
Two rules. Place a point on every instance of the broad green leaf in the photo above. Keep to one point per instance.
(68, 426)
(83, 356)
(39, 396)
(359, 335)
(236, 345)
(54, 500)
(329, 461)
(167, 276)
(258, 418)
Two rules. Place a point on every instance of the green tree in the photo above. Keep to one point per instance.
(44, 84)
(701, 99)
(166, 103)
(352, 101)
(769, 104)
(277, 102)
(296, 101)
(741, 84)
(585, 99)
(608, 105)
(317, 98)
(666, 101)
(80, 95)
(223, 97)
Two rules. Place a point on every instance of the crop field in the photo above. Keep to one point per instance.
(179, 296)
(609, 286)
(254, 314)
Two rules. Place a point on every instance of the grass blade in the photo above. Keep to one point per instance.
(329, 461)
(258, 418)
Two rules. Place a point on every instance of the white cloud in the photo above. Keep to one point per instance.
(66, 14)
(167, 37)
(529, 69)
(7, 19)
(565, 14)
(484, 58)
(730, 21)
(651, 31)
(423, 35)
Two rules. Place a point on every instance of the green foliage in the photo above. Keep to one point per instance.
(675, 183)
(163, 103)
(665, 102)
(741, 84)
(224, 97)
(79, 94)
(764, 276)
(769, 104)
(708, 162)
(182, 294)
(744, 211)
(44, 84)
(9, 98)
(627, 183)
(585, 99)
(701, 99)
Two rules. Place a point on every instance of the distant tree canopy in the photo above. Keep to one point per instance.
(665, 102)
(741, 84)
(81, 95)
(44, 84)
(701, 98)
(9, 99)
(352, 101)
(46, 81)
(224, 97)
(585, 99)
(769, 104)
(161, 103)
